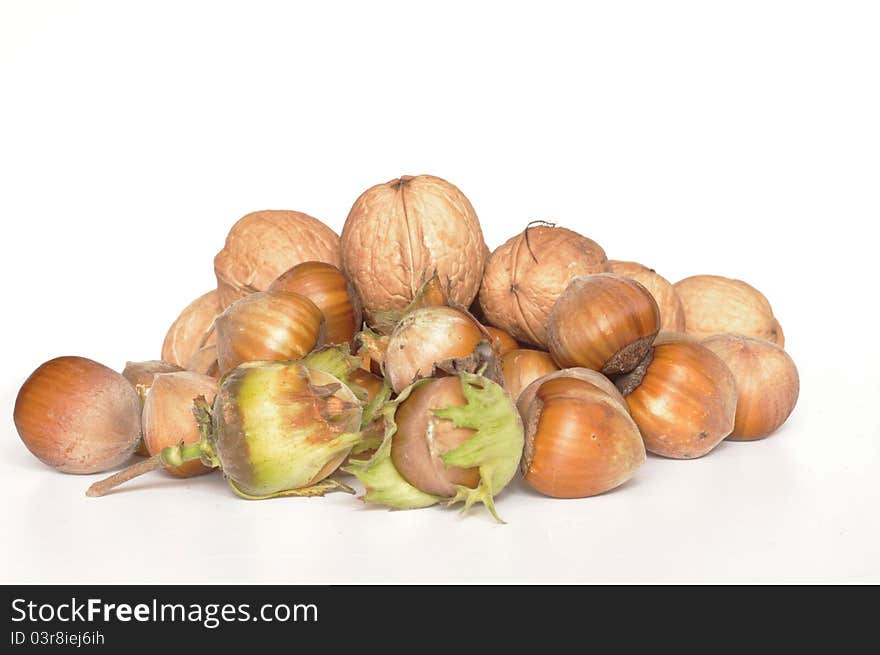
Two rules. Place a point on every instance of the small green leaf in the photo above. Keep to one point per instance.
(497, 445)
(338, 362)
(495, 448)
(382, 482)
(374, 408)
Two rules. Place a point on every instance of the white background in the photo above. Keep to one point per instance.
(734, 138)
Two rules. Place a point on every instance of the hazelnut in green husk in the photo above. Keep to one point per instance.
(456, 438)
(275, 429)
(372, 391)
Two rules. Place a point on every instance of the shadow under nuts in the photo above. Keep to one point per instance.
(603, 322)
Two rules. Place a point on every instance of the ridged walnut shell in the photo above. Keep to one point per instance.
(719, 305)
(168, 415)
(605, 322)
(399, 233)
(767, 383)
(671, 311)
(526, 275)
(192, 330)
(683, 398)
(264, 244)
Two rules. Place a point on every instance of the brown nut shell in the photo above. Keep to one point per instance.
(579, 441)
(526, 275)
(269, 325)
(767, 383)
(264, 244)
(192, 330)
(427, 337)
(78, 416)
(521, 367)
(683, 398)
(140, 375)
(368, 381)
(719, 305)
(205, 362)
(398, 234)
(604, 322)
(587, 375)
(168, 415)
(671, 311)
(422, 437)
(502, 342)
(326, 286)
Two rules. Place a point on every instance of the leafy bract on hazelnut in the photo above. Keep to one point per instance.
(494, 448)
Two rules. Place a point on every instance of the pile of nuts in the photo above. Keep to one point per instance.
(406, 354)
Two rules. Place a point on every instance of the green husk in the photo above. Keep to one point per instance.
(277, 426)
(373, 345)
(495, 448)
(317, 489)
(274, 428)
(383, 484)
(340, 363)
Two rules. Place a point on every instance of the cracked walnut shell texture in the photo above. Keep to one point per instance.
(525, 276)
(264, 244)
(399, 233)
